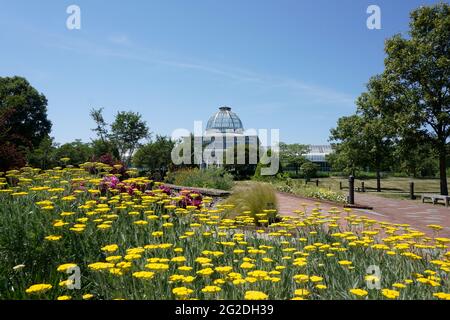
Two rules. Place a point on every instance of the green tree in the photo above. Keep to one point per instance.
(292, 155)
(28, 111)
(155, 156)
(418, 73)
(103, 145)
(102, 127)
(366, 139)
(378, 134)
(415, 156)
(246, 170)
(348, 143)
(127, 130)
(12, 156)
(309, 170)
(43, 156)
(77, 151)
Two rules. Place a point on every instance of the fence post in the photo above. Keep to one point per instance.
(351, 190)
(317, 182)
(363, 189)
(411, 191)
(340, 185)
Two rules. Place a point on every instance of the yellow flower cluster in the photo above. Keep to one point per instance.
(145, 244)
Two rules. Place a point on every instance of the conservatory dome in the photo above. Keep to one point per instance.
(224, 121)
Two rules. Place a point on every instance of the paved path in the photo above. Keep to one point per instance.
(414, 213)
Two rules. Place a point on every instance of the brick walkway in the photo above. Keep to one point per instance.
(414, 213)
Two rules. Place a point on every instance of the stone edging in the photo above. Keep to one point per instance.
(203, 191)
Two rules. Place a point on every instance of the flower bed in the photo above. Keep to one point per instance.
(148, 242)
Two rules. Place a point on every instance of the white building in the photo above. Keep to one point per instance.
(223, 131)
(317, 154)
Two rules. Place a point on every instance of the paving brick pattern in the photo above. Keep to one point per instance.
(414, 213)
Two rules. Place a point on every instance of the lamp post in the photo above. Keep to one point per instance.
(411, 191)
(351, 190)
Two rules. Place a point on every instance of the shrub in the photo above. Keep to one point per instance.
(308, 170)
(253, 198)
(214, 178)
(324, 194)
(242, 171)
(300, 189)
(11, 157)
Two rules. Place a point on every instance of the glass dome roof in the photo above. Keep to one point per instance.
(225, 121)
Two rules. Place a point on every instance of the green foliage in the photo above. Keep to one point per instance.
(309, 170)
(100, 148)
(127, 130)
(257, 175)
(407, 107)
(28, 111)
(416, 158)
(77, 151)
(292, 155)
(253, 198)
(242, 171)
(124, 136)
(23, 121)
(417, 78)
(44, 155)
(102, 127)
(49, 154)
(213, 178)
(155, 156)
(349, 154)
(299, 188)
(12, 155)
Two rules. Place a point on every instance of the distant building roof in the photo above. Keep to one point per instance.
(318, 153)
(224, 121)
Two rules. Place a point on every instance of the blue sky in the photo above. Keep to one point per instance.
(291, 65)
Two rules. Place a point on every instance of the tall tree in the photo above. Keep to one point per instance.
(12, 156)
(292, 155)
(348, 143)
(102, 127)
(364, 140)
(78, 152)
(43, 156)
(155, 156)
(416, 157)
(127, 130)
(418, 69)
(378, 133)
(103, 144)
(27, 110)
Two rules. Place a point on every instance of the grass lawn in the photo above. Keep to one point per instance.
(391, 187)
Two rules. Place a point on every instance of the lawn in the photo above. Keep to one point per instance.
(392, 187)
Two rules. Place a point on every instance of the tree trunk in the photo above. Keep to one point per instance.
(443, 169)
(378, 180)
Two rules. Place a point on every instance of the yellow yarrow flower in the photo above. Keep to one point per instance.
(39, 288)
(255, 295)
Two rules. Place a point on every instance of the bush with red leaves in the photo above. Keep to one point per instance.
(191, 198)
(11, 157)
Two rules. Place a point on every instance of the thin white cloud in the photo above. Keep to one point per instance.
(314, 93)
(120, 39)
